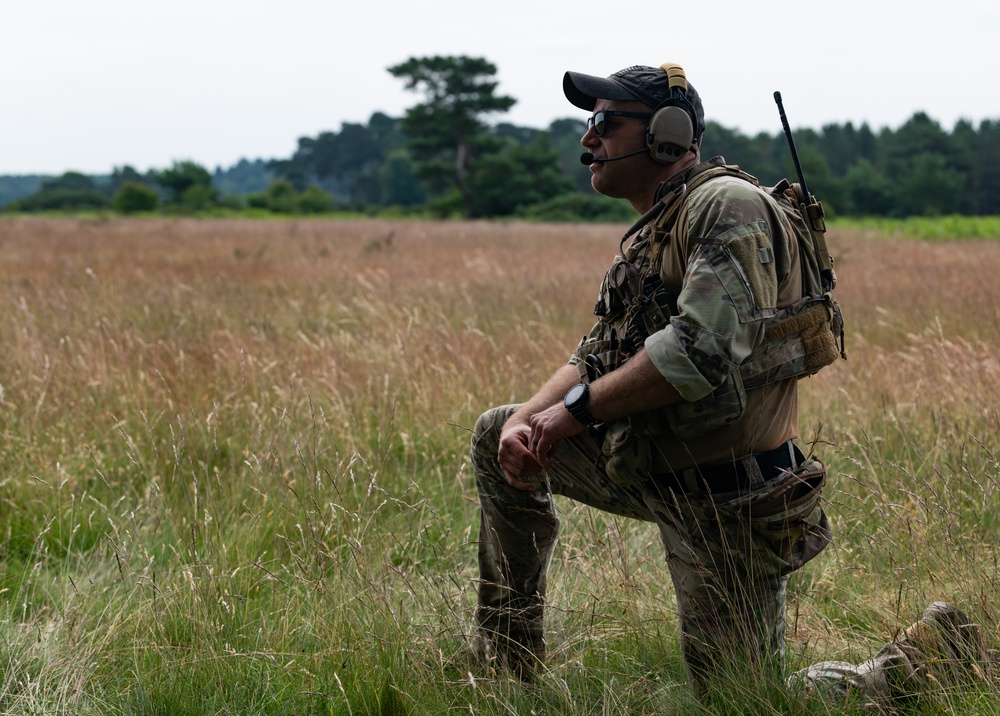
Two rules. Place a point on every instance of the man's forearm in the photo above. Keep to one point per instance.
(549, 394)
(635, 387)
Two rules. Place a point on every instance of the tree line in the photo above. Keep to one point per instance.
(444, 158)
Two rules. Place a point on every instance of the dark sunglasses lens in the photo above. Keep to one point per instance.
(598, 121)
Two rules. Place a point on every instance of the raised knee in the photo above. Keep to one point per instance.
(486, 433)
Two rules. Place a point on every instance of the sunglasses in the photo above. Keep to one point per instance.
(597, 119)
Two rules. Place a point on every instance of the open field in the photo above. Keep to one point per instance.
(234, 474)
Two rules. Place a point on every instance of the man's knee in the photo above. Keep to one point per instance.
(486, 434)
(486, 424)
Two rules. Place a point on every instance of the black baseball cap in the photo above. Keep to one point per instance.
(649, 85)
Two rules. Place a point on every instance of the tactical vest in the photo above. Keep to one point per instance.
(798, 340)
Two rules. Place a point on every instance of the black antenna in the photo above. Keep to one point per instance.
(791, 145)
(812, 209)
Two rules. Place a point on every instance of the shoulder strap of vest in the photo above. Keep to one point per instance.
(675, 197)
(716, 167)
(672, 195)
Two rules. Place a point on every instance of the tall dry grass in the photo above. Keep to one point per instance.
(233, 472)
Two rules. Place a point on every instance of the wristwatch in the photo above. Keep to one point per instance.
(576, 401)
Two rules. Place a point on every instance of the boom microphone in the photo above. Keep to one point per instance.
(586, 159)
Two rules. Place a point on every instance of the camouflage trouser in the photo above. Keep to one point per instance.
(943, 649)
(729, 555)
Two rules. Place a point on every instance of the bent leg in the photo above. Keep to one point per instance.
(518, 530)
(729, 558)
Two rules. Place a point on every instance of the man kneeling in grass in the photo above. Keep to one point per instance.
(674, 409)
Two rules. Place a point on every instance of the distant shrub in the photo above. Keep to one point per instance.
(450, 206)
(182, 177)
(232, 201)
(62, 200)
(198, 197)
(578, 207)
(314, 201)
(133, 198)
(257, 200)
(281, 197)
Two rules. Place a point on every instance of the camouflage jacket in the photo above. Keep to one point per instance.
(695, 288)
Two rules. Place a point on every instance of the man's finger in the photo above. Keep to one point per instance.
(516, 483)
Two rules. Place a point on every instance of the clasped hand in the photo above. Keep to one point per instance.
(527, 449)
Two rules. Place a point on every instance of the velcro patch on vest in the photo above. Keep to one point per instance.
(751, 251)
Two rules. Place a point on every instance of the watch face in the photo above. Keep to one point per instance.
(575, 394)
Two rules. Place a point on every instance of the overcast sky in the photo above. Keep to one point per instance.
(88, 86)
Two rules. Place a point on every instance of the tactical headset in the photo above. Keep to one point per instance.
(671, 130)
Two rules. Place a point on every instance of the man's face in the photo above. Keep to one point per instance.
(628, 178)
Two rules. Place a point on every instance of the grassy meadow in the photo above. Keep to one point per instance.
(234, 474)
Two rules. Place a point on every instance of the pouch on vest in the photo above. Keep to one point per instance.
(785, 511)
(628, 443)
(719, 409)
(629, 454)
(798, 341)
(788, 508)
(597, 356)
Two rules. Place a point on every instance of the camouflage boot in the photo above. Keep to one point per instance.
(942, 649)
(948, 647)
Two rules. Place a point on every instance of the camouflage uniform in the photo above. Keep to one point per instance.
(724, 270)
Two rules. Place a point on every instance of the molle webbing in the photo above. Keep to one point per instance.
(800, 339)
(824, 326)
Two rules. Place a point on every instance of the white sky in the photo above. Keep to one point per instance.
(89, 85)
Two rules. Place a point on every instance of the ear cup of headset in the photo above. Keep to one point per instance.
(670, 134)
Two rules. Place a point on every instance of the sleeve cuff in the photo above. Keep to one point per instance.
(669, 357)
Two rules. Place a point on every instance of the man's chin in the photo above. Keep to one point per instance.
(602, 186)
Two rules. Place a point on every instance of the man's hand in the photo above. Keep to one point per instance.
(532, 435)
(548, 428)
(521, 460)
(515, 457)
